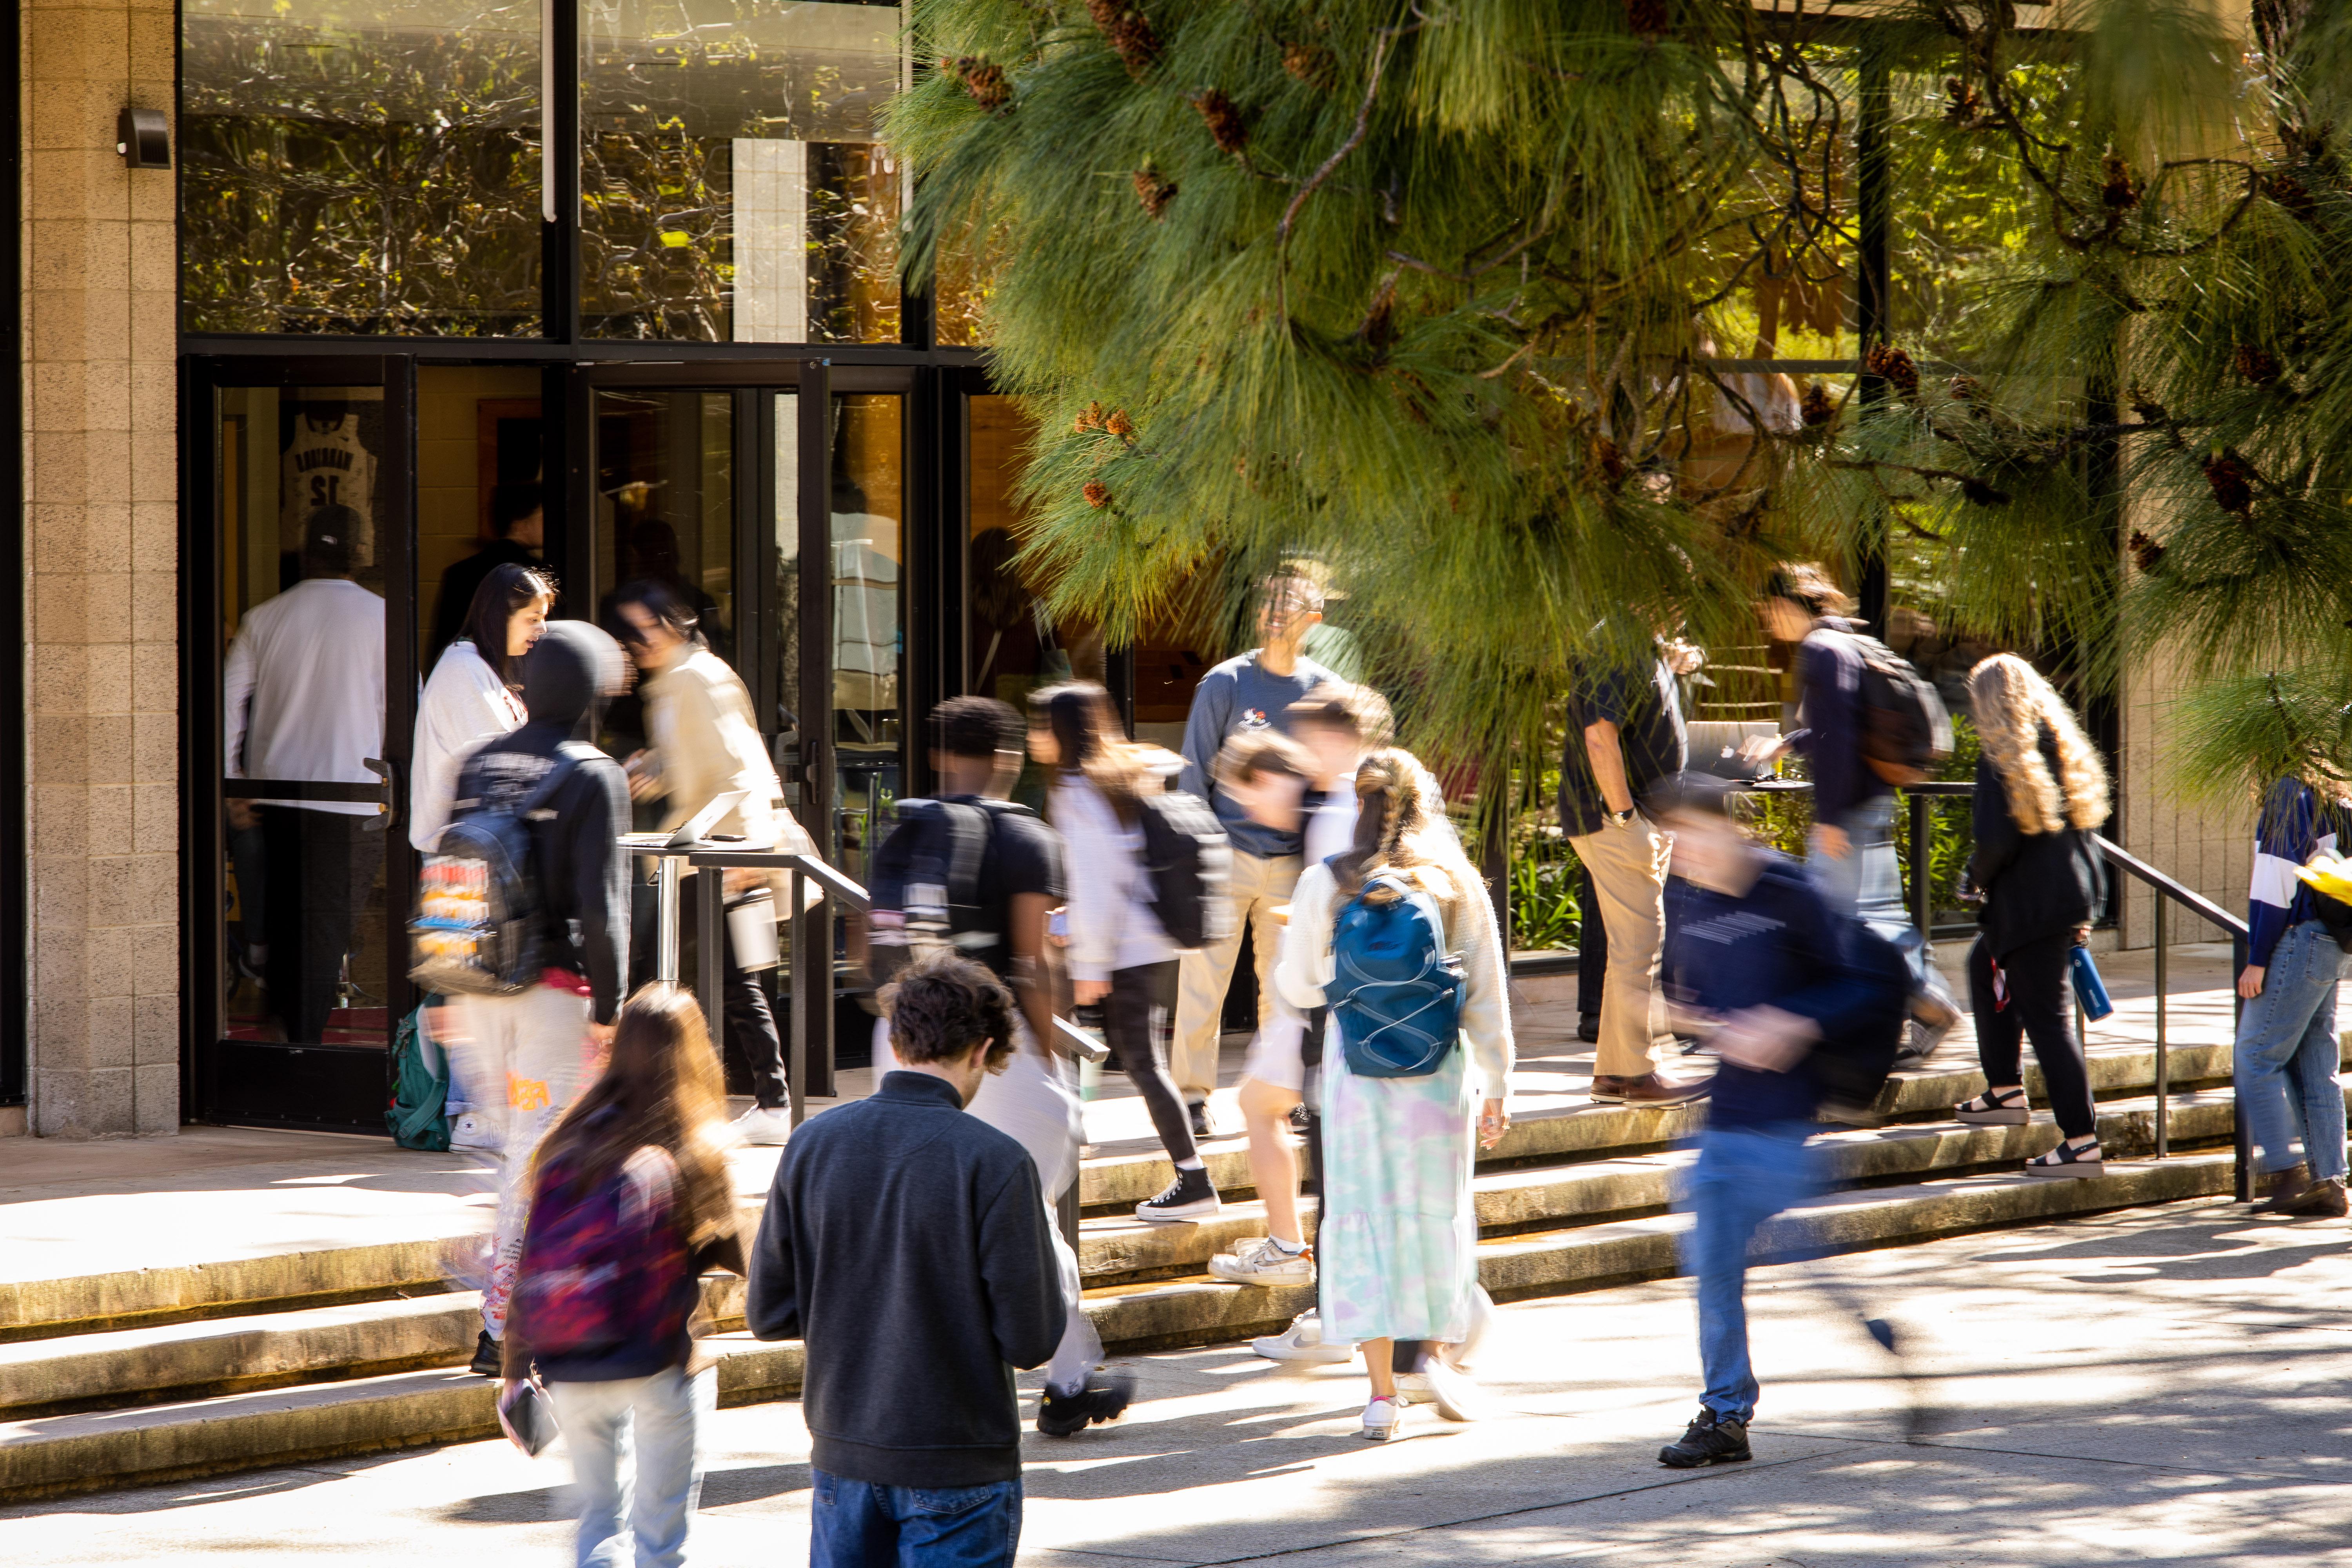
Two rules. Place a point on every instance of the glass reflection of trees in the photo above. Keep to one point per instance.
(362, 168)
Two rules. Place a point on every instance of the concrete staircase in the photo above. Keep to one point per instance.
(145, 1375)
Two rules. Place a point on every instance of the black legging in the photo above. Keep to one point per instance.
(1139, 1016)
(2039, 997)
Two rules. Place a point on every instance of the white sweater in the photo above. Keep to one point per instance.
(1114, 923)
(1305, 967)
(465, 705)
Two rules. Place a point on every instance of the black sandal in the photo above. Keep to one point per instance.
(2066, 1160)
(1996, 1107)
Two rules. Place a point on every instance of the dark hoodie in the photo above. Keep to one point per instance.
(567, 677)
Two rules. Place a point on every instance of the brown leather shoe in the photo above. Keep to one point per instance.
(1647, 1089)
(2283, 1187)
(2291, 1191)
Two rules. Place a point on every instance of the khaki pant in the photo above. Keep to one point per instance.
(1629, 874)
(1203, 975)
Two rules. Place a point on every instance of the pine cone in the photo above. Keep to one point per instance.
(1979, 493)
(1223, 119)
(1379, 328)
(1607, 460)
(1892, 366)
(2258, 365)
(1128, 32)
(2294, 195)
(1119, 424)
(1312, 64)
(1154, 192)
(1090, 418)
(985, 82)
(2148, 407)
(1817, 406)
(1966, 388)
(1647, 17)
(2232, 481)
(2121, 192)
(1961, 104)
(1097, 495)
(2147, 554)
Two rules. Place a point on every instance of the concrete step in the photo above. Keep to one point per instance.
(45, 1455)
(1588, 1257)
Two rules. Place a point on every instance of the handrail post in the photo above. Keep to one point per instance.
(1923, 911)
(2239, 1135)
(797, 1078)
(2163, 1059)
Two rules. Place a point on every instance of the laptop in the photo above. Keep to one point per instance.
(1716, 746)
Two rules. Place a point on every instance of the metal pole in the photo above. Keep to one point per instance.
(1065, 1211)
(1922, 903)
(2163, 1056)
(2237, 1132)
(665, 919)
(795, 939)
(710, 937)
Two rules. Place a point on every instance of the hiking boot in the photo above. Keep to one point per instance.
(1995, 1108)
(1102, 1401)
(765, 1126)
(1711, 1439)
(1649, 1090)
(1189, 1196)
(489, 1359)
(1303, 1341)
(1201, 1126)
(1263, 1262)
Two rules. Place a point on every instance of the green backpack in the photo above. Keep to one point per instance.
(418, 1117)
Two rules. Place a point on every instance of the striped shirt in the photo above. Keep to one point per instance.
(2296, 824)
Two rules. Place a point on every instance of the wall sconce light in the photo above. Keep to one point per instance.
(143, 137)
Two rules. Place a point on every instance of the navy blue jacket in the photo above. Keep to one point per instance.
(1829, 678)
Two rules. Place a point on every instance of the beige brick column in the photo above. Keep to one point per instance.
(102, 571)
(2210, 849)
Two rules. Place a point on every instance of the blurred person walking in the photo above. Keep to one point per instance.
(2286, 1054)
(706, 743)
(973, 872)
(546, 1041)
(1252, 691)
(1779, 987)
(1625, 734)
(1397, 1238)
(303, 699)
(907, 1246)
(631, 1202)
(474, 697)
(1120, 953)
(2041, 794)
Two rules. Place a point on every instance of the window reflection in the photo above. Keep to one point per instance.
(731, 186)
(360, 166)
(868, 629)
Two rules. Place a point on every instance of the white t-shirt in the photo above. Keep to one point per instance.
(302, 692)
(1331, 826)
(465, 704)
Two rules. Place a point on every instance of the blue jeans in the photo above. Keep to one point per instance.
(1744, 1177)
(2287, 1054)
(856, 1524)
(656, 1417)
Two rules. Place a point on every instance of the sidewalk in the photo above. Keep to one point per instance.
(2162, 1385)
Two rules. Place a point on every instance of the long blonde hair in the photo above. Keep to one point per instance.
(1416, 839)
(2014, 704)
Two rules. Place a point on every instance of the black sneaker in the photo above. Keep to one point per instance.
(1189, 1196)
(490, 1361)
(1103, 1400)
(1711, 1439)
(1201, 1126)
(1301, 1119)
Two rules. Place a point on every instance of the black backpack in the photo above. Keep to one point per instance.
(927, 872)
(1851, 1068)
(1905, 733)
(1190, 862)
(479, 928)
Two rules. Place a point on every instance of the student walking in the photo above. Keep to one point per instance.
(1334, 727)
(1757, 964)
(1397, 1238)
(706, 743)
(2040, 794)
(631, 1202)
(1120, 953)
(2287, 1053)
(544, 1042)
(1001, 916)
(1249, 693)
(907, 1246)
(1625, 733)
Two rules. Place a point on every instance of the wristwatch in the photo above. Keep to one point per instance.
(1620, 818)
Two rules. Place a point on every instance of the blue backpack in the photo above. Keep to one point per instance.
(1395, 994)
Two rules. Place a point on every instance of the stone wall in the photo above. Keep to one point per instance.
(102, 536)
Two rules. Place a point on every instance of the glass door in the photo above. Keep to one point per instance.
(304, 579)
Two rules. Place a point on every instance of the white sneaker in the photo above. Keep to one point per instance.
(1456, 1396)
(1303, 1341)
(766, 1128)
(472, 1131)
(1382, 1419)
(1261, 1262)
(1482, 1319)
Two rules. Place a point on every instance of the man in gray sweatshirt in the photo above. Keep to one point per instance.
(1253, 691)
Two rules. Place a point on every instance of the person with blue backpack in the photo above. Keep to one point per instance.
(1396, 935)
(632, 1202)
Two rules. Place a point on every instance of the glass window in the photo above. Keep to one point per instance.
(360, 166)
(869, 641)
(732, 189)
